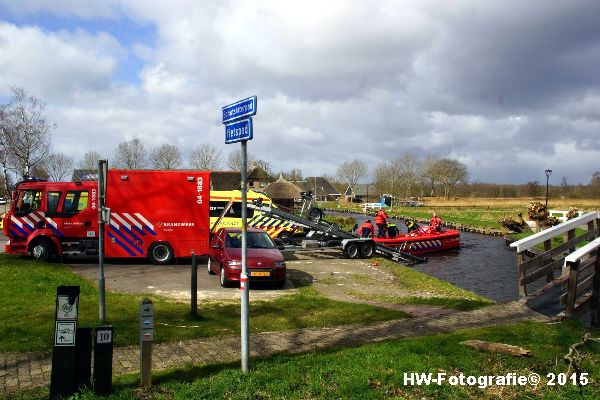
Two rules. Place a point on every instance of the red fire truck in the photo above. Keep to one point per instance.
(160, 215)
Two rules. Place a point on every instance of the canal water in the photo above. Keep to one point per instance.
(483, 265)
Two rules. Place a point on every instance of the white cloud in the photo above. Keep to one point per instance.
(51, 65)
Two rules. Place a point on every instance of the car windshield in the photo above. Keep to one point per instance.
(254, 240)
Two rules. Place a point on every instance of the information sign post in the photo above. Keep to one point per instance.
(237, 118)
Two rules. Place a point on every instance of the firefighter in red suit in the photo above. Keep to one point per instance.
(366, 230)
(381, 222)
(435, 223)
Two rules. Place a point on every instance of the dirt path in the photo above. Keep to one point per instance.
(353, 281)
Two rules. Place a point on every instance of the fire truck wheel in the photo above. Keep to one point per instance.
(366, 250)
(160, 253)
(41, 250)
(208, 269)
(351, 250)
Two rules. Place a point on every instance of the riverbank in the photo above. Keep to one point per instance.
(484, 227)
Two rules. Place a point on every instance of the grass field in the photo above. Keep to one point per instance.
(28, 291)
(376, 371)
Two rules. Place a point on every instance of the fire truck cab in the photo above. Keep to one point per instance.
(160, 215)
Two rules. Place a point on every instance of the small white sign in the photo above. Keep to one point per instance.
(103, 336)
(66, 310)
(91, 234)
(64, 334)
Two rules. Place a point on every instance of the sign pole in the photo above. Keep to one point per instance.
(244, 284)
(102, 170)
(237, 118)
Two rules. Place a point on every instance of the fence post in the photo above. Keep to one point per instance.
(194, 286)
(571, 288)
(522, 287)
(146, 339)
(547, 247)
(596, 292)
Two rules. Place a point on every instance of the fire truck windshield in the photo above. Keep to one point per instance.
(28, 201)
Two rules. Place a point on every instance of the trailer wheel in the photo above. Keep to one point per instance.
(160, 253)
(366, 250)
(316, 215)
(42, 250)
(351, 250)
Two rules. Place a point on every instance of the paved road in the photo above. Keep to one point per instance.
(167, 280)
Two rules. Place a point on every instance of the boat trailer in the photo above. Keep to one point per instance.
(352, 245)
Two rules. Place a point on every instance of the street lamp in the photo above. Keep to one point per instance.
(548, 173)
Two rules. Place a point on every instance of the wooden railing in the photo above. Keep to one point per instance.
(583, 287)
(535, 264)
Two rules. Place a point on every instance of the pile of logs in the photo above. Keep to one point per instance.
(513, 225)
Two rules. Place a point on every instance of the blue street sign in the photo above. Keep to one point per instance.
(241, 109)
(238, 131)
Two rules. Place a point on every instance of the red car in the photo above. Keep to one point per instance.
(264, 260)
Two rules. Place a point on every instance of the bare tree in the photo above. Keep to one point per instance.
(449, 173)
(166, 156)
(58, 166)
(534, 188)
(90, 160)
(410, 171)
(431, 172)
(6, 130)
(352, 171)
(26, 137)
(293, 175)
(131, 155)
(206, 157)
(387, 178)
(234, 160)
(265, 166)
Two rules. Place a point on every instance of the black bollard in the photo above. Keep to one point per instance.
(194, 286)
(83, 358)
(62, 377)
(103, 355)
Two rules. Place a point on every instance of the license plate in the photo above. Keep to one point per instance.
(260, 273)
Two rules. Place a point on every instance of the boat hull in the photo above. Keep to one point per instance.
(424, 242)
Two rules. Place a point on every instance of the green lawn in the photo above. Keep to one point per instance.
(376, 371)
(426, 290)
(28, 291)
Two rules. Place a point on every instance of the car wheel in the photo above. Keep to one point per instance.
(41, 250)
(208, 268)
(367, 249)
(224, 281)
(351, 250)
(160, 253)
(286, 237)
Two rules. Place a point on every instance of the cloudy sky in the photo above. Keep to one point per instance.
(510, 88)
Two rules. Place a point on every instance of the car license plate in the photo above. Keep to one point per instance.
(260, 273)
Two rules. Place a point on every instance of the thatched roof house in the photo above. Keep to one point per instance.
(283, 192)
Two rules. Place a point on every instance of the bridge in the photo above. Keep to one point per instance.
(559, 268)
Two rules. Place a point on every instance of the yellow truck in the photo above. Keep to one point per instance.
(275, 227)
